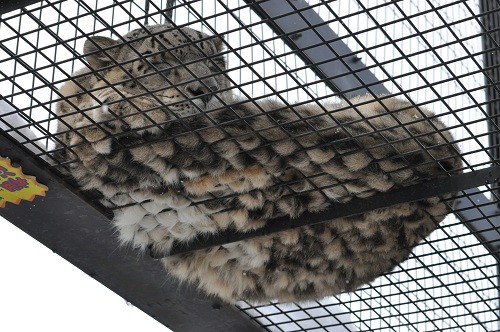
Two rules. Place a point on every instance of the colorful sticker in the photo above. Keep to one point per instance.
(15, 186)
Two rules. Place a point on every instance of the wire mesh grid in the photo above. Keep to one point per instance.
(428, 52)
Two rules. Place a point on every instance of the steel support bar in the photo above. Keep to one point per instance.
(487, 227)
(64, 222)
(490, 19)
(491, 40)
(292, 20)
(9, 5)
(412, 193)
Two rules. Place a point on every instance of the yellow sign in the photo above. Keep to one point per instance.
(15, 186)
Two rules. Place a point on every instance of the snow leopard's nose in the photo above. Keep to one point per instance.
(203, 90)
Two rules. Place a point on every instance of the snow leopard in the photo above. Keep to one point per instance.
(154, 125)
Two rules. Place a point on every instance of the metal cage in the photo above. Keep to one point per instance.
(440, 55)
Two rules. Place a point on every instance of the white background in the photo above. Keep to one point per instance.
(40, 291)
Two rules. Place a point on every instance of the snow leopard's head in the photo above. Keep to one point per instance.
(145, 78)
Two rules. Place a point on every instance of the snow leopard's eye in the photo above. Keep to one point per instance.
(162, 67)
(217, 64)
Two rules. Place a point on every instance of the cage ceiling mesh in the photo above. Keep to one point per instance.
(439, 55)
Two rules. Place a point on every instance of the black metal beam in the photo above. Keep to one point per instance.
(490, 19)
(10, 5)
(412, 193)
(487, 229)
(491, 41)
(64, 222)
(292, 20)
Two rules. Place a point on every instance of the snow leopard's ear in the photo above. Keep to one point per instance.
(219, 43)
(100, 51)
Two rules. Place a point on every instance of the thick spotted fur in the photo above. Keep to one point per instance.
(175, 154)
